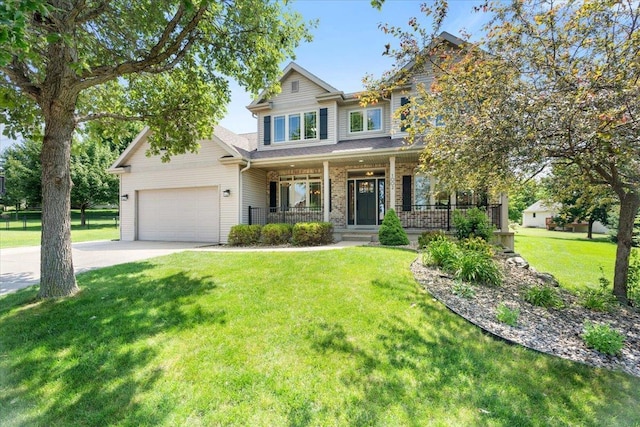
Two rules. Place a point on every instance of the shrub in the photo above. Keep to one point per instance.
(474, 222)
(507, 315)
(391, 232)
(603, 338)
(276, 234)
(472, 266)
(462, 289)
(600, 299)
(543, 296)
(442, 253)
(428, 236)
(244, 235)
(477, 244)
(633, 279)
(312, 233)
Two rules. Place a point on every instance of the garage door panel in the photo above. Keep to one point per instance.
(179, 214)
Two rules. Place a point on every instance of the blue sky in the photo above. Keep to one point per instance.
(348, 44)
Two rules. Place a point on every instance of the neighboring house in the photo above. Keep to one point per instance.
(318, 155)
(539, 215)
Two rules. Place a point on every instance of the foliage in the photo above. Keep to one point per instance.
(603, 338)
(599, 299)
(507, 315)
(267, 338)
(463, 289)
(312, 233)
(477, 244)
(244, 235)
(21, 164)
(634, 278)
(276, 234)
(477, 267)
(391, 232)
(442, 253)
(472, 223)
(521, 196)
(614, 220)
(428, 236)
(543, 296)
(550, 84)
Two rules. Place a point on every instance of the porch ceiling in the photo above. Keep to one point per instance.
(355, 157)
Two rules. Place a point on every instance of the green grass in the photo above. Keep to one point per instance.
(101, 226)
(572, 258)
(268, 339)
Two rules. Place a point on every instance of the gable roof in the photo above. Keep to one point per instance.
(237, 146)
(542, 206)
(293, 67)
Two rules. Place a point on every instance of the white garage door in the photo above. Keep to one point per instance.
(179, 215)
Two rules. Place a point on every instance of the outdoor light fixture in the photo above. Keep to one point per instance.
(226, 193)
(124, 197)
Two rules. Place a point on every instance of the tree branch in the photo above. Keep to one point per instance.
(105, 115)
(18, 75)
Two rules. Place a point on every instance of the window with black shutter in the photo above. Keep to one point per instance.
(406, 193)
(324, 134)
(267, 130)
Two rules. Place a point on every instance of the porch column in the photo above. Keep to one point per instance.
(504, 212)
(325, 191)
(392, 183)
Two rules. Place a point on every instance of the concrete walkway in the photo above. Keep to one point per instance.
(20, 267)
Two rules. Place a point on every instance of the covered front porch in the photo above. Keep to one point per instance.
(354, 194)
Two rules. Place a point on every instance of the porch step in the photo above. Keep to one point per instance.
(360, 237)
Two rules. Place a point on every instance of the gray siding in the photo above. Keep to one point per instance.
(254, 191)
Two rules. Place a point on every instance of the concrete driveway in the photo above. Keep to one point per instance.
(20, 267)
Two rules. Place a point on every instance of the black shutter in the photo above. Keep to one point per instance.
(273, 194)
(267, 130)
(406, 193)
(323, 123)
(403, 101)
(329, 195)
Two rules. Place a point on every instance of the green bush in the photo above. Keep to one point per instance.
(476, 267)
(603, 338)
(244, 235)
(543, 296)
(312, 233)
(473, 223)
(428, 236)
(633, 279)
(391, 232)
(477, 244)
(601, 298)
(442, 253)
(507, 315)
(276, 234)
(463, 289)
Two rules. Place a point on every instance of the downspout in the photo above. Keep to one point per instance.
(240, 207)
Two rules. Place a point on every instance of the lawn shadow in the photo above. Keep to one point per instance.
(447, 367)
(94, 354)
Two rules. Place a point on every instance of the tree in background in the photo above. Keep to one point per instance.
(21, 164)
(523, 195)
(552, 84)
(167, 63)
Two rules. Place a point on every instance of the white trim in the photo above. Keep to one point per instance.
(365, 120)
(287, 117)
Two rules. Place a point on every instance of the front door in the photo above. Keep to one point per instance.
(366, 204)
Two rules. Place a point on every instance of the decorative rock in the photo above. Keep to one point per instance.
(547, 279)
(518, 262)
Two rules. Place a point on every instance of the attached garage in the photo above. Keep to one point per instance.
(179, 214)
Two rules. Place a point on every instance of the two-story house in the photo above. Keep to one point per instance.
(317, 155)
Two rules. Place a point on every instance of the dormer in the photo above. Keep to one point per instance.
(304, 113)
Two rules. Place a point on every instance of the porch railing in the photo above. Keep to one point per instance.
(291, 215)
(439, 217)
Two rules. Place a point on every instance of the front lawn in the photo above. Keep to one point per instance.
(341, 337)
(26, 229)
(572, 258)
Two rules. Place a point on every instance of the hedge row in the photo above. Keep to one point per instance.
(301, 234)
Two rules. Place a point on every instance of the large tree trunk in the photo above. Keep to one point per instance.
(83, 218)
(58, 102)
(629, 205)
(590, 228)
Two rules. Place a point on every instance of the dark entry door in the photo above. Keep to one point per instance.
(366, 202)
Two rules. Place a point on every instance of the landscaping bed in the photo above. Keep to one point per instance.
(549, 330)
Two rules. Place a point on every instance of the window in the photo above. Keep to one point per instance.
(300, 191)
(295, 86)
(422, 194)
(295, 127)
(279, 128)
(373, 122)
(464, 198)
